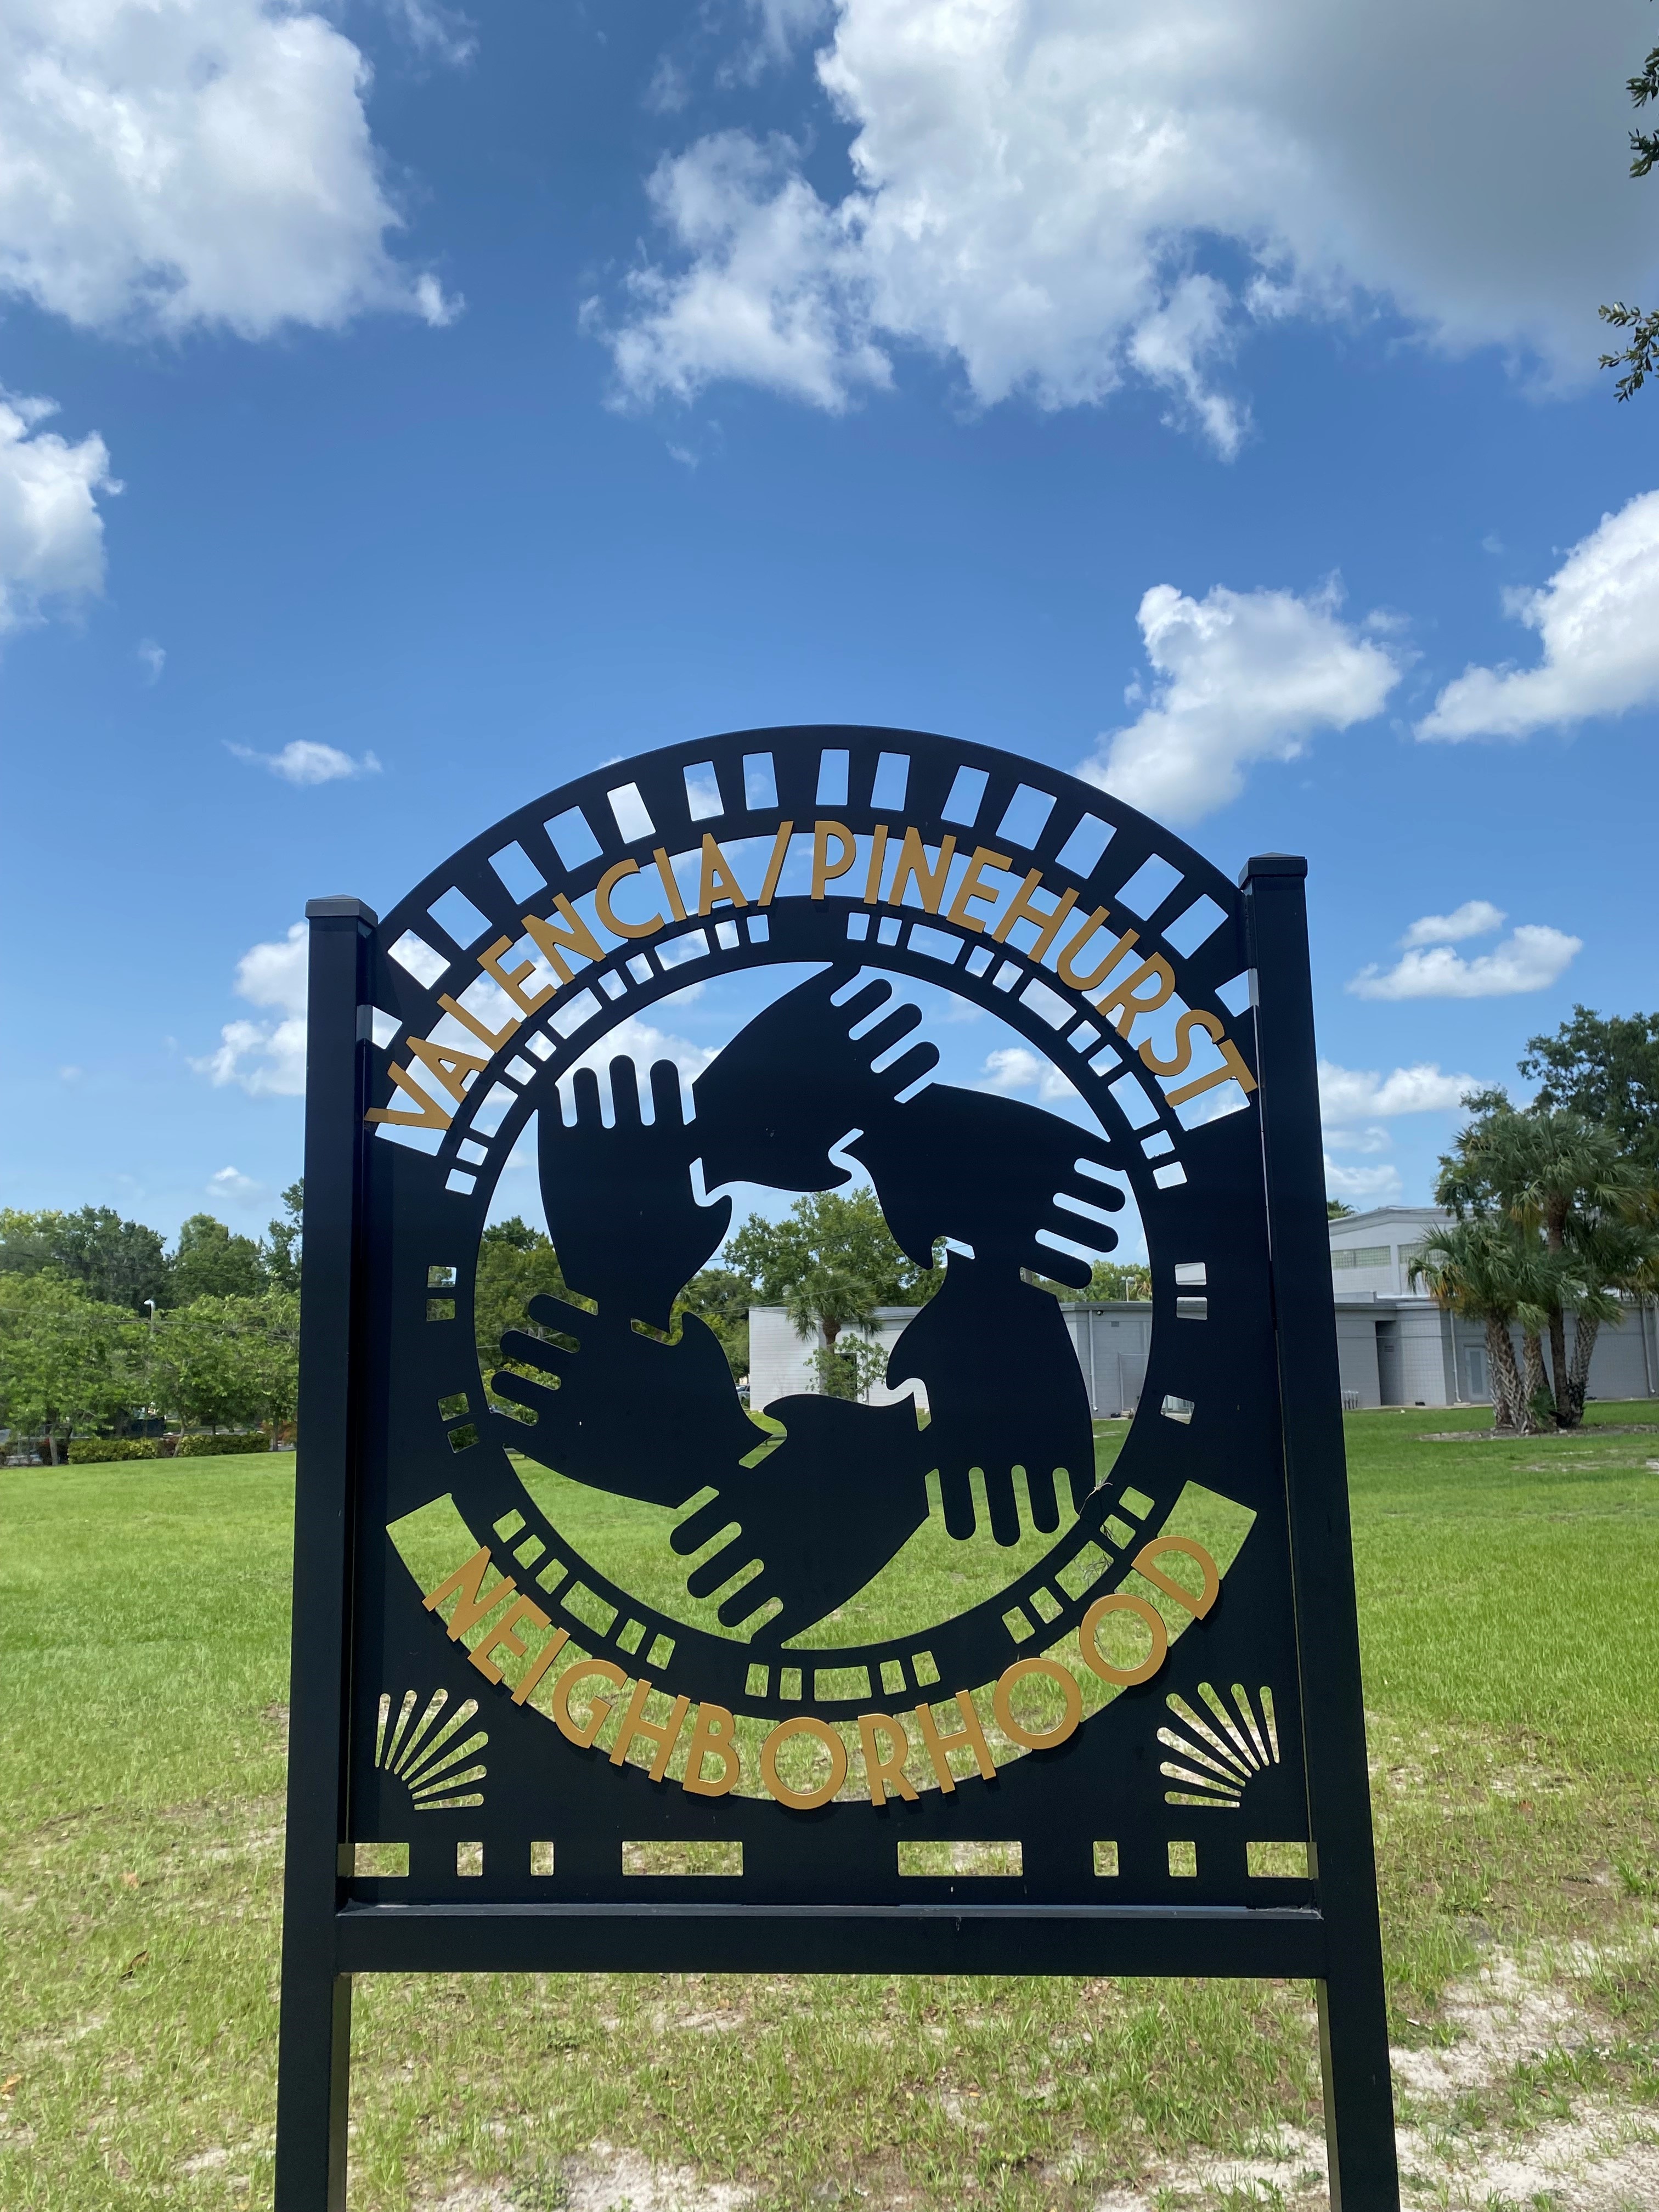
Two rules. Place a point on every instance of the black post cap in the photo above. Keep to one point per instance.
(341, 910)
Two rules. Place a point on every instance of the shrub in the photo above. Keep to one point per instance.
(83, 1451)
(212, 1447)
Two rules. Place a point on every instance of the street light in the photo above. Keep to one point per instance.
(149, 1403)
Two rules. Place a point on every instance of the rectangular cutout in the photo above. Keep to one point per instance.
(936, 944)
(528, 1552)
(452, 1408)
(1183, 1862)
(441, 1309)
(1190, 930)
(840, 1682)
(439, 1279)
(1119, 1531)
(961, 1856)
(1054, 1010)
(1235, 994)
(571, 838)
(832, 779)
(754, 1684)
(966, 796)
(677, 1858)
(1025, 817)
(1017, 1625)
(418, 957)
(469, 1858)
(1106, 1861)
(692, 946)
(857, 927)
(1080, 854)
(892, 1678)
(633, 816)
(1192, 1308)
(463, 1438)
(1131, 1096)
(387, 1861)
(459, 1181)
(541, 1859)
(760, 785)
(1168, 1175)
(1135, 1502)
(586, 1606)
(1149, 885)
(1177, 1409)
(661, 1651)
(518, 874)
(892, 778)
(456, 916)
(1277, 1861)
(1190, 1274)
(703, 791)
(924, 1670)
(789, 1682)
(1083, 1572)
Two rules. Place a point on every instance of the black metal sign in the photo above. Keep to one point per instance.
(596, 1666)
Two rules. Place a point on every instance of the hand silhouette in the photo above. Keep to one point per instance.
(623, 1217)
(823, 1512)
(623, 1412)
(793, 1082)
(989, 1172)
(980, 1328)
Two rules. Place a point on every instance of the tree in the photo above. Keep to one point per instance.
(116, 1262)
(516, 1263)
(840, 1233)
(66, 1360)
(1478, 1267)
(722, 1296)
(1607, 1068)
(283, 1255)
(1639, 356)
(1560, 1183)
(1335, 1210)
(210, 1262)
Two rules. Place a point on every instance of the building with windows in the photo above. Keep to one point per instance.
(1395, 1346)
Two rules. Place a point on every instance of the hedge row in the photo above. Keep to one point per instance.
(85, 1450)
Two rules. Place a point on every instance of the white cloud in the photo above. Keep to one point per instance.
(51, 535)
(1246, 675)
(173, 163)
(645, 1044)
(1031, 181)
(268, 1059)
(1368, 1186)
(1011, 1067)
(1351, 1094)
(1474, 918)
(303, 760)
(1359, 1141)
(231, 1183)
(1598, 620)
(152, 659)
(1530, 958)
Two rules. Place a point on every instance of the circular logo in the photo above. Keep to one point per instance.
(784, 1558)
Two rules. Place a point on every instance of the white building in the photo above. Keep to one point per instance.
(1395, 1346)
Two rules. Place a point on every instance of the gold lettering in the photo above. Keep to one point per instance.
(973, 887)
(712, 1737)
(1009, 1722)
(1088, 1631)
(512, 979)
(1232, 1064)
(431, 1116)
(1023, 908)
(1143, 1563)
(662, 1735)
(1067, 962)
(554, 942)
(582, 1734)
(464, 1586)
(971, 1736)
(1123, 997)
(719, 886)
(913, 865)
(775, 865)
(670, 883)
(1185, 1024)
(451, 1065)
(877, 861)
(613, 921)
(824, 871)
(884, 1764)
(803, 1801)
(539, 1665)
(479, 1029)
(500, 1638)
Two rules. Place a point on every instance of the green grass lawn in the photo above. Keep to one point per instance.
(1509, 1596)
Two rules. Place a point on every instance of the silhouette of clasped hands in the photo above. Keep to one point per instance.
(620, 1403)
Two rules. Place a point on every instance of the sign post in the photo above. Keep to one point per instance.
(728, 1744)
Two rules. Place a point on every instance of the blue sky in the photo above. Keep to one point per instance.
(491, 397)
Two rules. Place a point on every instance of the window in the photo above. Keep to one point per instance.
(1361, 1255)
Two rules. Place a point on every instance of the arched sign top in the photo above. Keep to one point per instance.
(567, 1599)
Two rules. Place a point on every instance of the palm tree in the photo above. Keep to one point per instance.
(1561, 1182)
(1479, 1269)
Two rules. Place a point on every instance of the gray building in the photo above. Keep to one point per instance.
(1395, 1346)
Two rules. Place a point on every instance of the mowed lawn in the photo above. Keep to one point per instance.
(1510, 1609)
